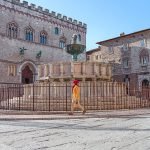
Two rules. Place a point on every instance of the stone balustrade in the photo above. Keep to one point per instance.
(79, 70)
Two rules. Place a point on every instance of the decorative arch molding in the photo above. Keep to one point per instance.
(62, 41)
(43, 37)
(141, 78)
(43, 32)
(29, 27)
(63, 38)
(12, 22)
(31, 67)
(12, 29)
(144, 52)
(29, 33)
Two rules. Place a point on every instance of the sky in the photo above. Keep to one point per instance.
(105, 19)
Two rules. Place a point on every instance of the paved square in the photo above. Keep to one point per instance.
(88, 133)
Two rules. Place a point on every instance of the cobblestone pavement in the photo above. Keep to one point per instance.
(111, 130)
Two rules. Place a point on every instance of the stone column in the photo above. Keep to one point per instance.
(96, 69)
(41, 89)
(9, 70)
(99, 66)
(108, 89)
(27, 91)
(95, 89)
(42, 93)
(50, 70)
(14, 70)
(110, 71)
(115, 88)
(89, 88)
(84, 69)
(31, 90)
(46, 70)
(61, 69)
(104, 89)
(115, 95)
(39, 71)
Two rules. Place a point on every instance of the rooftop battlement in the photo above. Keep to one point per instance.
(47, 12)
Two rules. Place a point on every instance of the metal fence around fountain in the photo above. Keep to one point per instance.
(56, 96)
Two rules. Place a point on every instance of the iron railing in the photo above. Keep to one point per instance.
(56, 96)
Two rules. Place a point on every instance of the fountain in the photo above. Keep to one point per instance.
(75, 48)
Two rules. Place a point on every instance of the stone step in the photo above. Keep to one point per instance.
(100, 102)
(85, 104)
(83, 99)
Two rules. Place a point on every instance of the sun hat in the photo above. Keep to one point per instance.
(76, 81)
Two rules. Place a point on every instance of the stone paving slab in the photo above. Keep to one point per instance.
(128, 130)
(28, 115)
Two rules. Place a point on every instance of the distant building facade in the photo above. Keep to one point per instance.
(30, 36)
(130, 56)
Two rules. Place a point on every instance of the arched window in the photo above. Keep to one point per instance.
(29, 34)
(79, 37)
(56, 30)
(126, 63)
(43, 37)
(144, 57)
(143, 42)
(62, 42)
(12, 30)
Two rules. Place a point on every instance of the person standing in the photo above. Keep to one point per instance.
(76, 98)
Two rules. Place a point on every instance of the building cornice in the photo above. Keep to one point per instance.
(118, 40)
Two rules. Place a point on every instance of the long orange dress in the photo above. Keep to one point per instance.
(76, 99)
(76, 93)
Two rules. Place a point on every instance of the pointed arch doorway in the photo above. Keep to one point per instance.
(145, 83)
(28, 72)
(145, 89)
(27, 75)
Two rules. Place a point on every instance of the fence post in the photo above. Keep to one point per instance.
(49, 97)
(33, 96)
(8, 97)
(128, 95)
(66, 97)
(19, 96)
(96, 85)
(115, 86)
(84, 91)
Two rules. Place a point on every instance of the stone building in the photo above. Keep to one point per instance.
(130, 56)
(30, 36)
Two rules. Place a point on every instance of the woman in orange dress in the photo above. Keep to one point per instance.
(76, 97)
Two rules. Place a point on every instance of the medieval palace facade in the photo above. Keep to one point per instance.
(30, 36)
